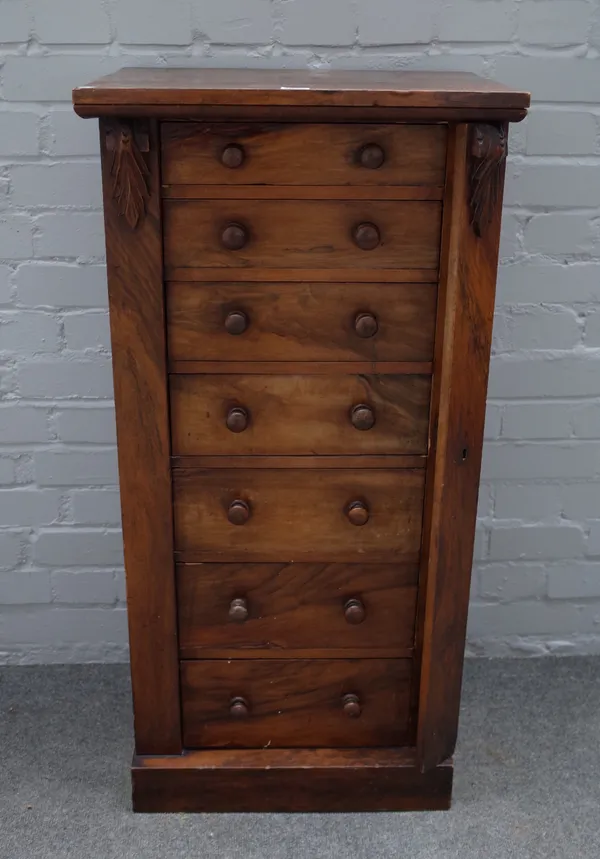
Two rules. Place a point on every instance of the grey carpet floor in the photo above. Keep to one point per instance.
(527, 781)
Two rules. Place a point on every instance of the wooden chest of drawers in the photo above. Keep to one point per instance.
(301, 277)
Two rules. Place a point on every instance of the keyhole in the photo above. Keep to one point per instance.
(464, 454)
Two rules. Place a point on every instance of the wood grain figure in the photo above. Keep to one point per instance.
(301, 272)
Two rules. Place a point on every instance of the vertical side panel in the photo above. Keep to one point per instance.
(470, 240)
(131, 184)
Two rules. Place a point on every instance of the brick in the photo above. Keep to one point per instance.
(19, 507)
(154, 23)
(484, 501)
(540, 375)
(16, 237)
(510, 582)
(25, 587)
(536, 421)
(22, 424)
(121, 587)
(529, 502)
(592, 327)
(540, 461)
(70, 234)
(493, 421)
(231, 22)
(480, 547)
(52, 185)
(510, 237)
(517, 137)
(74, 468)
(5, 286)
(84, 586)
(305, 24)
(562, 187)
(58, 285)
(535, 283)
(15, 21)
(64, 21)
(53, 77)
(69, 134)
(585, 420)
(536, 541)
(531, 617)
(593, 543)
(18, 130)
(441, 62)
(10, 549)
(72, 547)
(574, 581)
(382, 22)
(96, 507)
(87, 331)
(7, 379)
(57, 378)
(28, 333)
(545, 328)
(552, 78)
(560, 132)
(477, 21)
(90, 424)
(7, 471)
(502, 333)
(48, 625)
(581, 500)
(557, 233)
(554, 22)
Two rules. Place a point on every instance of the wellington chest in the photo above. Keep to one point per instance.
(301, 272)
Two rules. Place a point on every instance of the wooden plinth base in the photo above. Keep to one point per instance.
(289, 780)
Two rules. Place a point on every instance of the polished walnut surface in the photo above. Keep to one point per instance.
(301, 280)
(261, 87)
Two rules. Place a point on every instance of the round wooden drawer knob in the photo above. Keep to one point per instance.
(238, 512)
(351, 706)
(238, 610)
(239, 707)
(236, 322)
(234, 237)
(366, 325)
(366, 236)
(371, 156)
(358, 513)
(233, 156)
(354, 611)
(362, 417)
(237, 419)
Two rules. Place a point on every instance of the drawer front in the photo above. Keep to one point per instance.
(260, 514)
(276, 154)
(285, 415)
(279, 703)
(260, 608)
(300, 322)
(301, 234)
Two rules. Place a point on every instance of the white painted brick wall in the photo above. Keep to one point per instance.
(536, 584)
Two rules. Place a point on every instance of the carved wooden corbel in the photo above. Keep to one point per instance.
(487, 154)
(129, 172)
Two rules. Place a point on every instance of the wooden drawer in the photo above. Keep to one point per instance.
(264, 609)
(279, 154)
(301, 234)
(298, 514)
(300, 321)
(292, 703)
(283, 414)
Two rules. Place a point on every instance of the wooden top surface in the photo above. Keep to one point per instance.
(267, 87)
